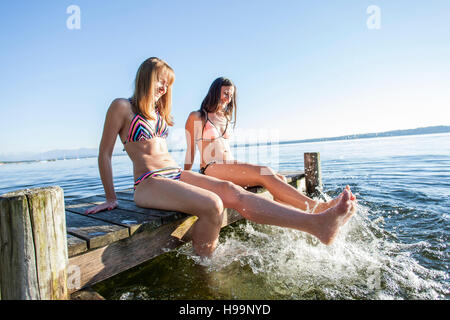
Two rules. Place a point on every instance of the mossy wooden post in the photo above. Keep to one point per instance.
(33, 245)
(313, 173)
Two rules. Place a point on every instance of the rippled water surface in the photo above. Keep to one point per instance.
(395, 247)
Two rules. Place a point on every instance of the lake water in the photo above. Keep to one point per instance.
(395, 247)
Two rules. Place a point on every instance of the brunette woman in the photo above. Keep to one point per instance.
(208, 130)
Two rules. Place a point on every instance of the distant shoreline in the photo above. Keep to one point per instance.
(31, 161)
(393, 133)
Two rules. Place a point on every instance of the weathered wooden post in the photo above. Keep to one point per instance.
(33, 245)
(313, 173)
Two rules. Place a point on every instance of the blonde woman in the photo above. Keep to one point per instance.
(208, 130)
(142, 123)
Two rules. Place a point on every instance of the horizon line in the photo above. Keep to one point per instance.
(384, 134)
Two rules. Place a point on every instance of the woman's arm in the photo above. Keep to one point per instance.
(192, 121)
(113, 123)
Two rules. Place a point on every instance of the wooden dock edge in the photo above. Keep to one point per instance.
(94, 266)
(33, 232)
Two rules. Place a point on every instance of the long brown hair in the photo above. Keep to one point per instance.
(144, 88)
(211, 101)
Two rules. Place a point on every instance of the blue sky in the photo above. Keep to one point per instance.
(306, 69)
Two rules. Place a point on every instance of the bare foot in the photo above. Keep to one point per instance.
(352, 209)
(333, 218)
(322, 206)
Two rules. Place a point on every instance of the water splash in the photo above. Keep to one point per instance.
(364, 262)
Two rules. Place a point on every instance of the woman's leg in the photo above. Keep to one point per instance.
(167, 194)
(246, 175)
(258, 209)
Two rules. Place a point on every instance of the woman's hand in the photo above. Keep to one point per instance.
(108, 205)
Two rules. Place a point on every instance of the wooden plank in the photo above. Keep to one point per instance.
(293, 176)
(125, 195)
(102, 263)
(75, 245)
(128, 205)
(295, 179)
(105, 262)
(96, 232)
(132, 220)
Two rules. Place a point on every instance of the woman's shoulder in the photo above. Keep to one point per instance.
(196, 115)
(193, 120)
(120, 105)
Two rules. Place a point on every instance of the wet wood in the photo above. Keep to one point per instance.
(33, 250)
(130, 206)
(295, 179)
(75, 245)
(184, 227)
(97, 233)
(105, 262)
(17, 255)
(86, 294)
(132, 220)
(102, 263)
(313, 173)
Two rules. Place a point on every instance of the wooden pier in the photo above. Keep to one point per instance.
(35, 223)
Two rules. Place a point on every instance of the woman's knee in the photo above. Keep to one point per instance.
(216, 204)
(212, 209)
(232, 194)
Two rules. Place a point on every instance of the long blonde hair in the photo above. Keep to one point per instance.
(144, 88)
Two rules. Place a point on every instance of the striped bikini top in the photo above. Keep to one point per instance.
(143, 129)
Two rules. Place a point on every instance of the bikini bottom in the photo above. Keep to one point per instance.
(173, 173)
(202, 169)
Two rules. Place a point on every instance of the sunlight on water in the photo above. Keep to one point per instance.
(395, 247)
